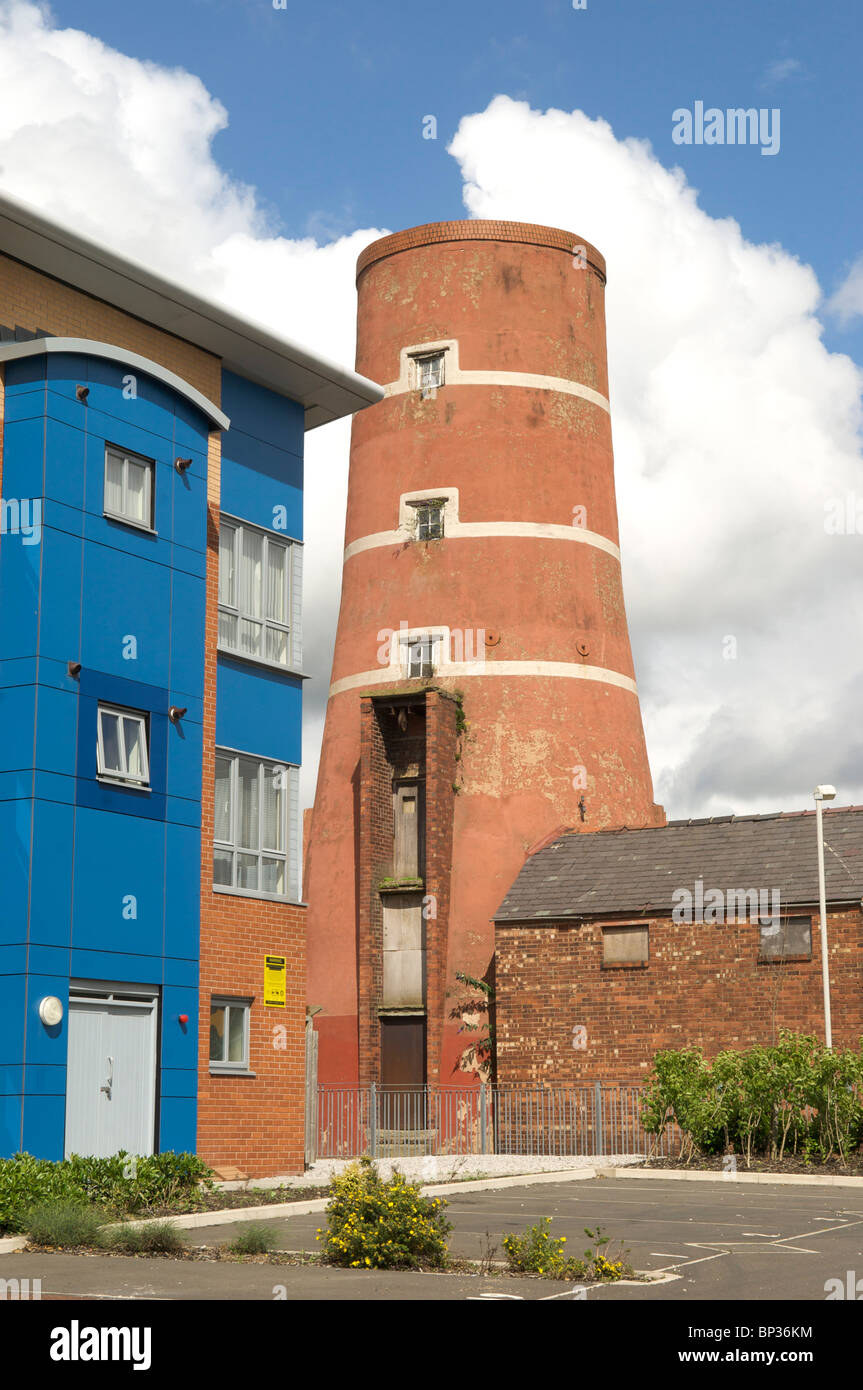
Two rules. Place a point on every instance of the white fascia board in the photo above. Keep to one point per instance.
(325, 390)
(87, 347)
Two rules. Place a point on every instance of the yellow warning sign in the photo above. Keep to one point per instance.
(275, 972)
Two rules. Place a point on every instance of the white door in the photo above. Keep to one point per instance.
(111, 1072)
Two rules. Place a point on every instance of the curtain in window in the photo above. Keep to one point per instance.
(247, 804)
(222, 826)
(133, 735)
(273, 809)
(113, 484)
(136, 492)
(111, 741)
(227, 581)
(277, 583)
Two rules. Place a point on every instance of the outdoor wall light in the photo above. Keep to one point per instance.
(81, 393)
(182, 464)
(176, 712)
(51, 1010)
(74, 668)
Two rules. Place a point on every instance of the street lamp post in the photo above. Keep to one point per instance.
(823, 793)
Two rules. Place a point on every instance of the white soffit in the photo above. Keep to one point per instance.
(326, 391)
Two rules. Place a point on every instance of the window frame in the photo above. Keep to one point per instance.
(411, 642)
(150, 472)
(234, 757)
(287, 544)
(419, 359)
(780, 957)
(244, 1007)
(113, 776)
(432, 507)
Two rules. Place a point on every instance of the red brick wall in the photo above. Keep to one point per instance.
(704, 986)
(255, 1123)
(441, 779)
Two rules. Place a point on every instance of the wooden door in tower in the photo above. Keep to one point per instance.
(403, 1072)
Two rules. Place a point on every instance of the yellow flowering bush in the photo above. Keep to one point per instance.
(537, 1252)
(378, 1224)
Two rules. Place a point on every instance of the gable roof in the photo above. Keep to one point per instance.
(637, 871)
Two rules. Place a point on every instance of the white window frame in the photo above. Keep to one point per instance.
(244, 1007)
(265, 765)
(119, 776)
(423, 359)
(149, 466)
(424, 511)
(432, 642)
(233, 609)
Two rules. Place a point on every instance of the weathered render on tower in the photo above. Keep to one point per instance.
(483, 693)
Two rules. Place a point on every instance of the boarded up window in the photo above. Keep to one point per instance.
(407, 843)
(793, 937)
(624, 945)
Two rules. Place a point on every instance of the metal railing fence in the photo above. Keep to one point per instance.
(590, 1120)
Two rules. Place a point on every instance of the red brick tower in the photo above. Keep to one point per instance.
(482, 691)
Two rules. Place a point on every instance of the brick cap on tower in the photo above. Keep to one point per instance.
(479, 229)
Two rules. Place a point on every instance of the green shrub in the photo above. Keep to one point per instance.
(123, 1183)
(63, 1223)
(538, 1252)
(253, 1239)
(794, 1097)
(377, 1224)
(158, 1238)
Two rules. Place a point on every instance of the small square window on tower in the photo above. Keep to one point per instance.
(429, 520)
(429, 371)
(419, 655)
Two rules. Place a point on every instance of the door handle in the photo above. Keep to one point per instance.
(110, 1082)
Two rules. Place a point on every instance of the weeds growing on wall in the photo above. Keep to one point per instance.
(795, 1098)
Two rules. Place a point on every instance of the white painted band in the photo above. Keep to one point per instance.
(480, 530)
(454, 529)
(454, 375)
(87, 347)
(387, 676)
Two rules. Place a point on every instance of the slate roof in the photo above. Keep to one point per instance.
(635, 871)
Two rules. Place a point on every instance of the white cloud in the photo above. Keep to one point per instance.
(781, 70)
(847, 301)
(732, 422)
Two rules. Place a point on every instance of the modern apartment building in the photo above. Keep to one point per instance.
(152, 963)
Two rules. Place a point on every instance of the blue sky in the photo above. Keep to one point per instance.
(326, 100)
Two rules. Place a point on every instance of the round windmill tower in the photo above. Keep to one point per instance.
(483, 693)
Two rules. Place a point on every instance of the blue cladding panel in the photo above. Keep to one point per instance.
(258, 711)
(262, 457)
(79, 591)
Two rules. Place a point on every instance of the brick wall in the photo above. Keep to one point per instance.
(703, 986)
(255, 1123)
(32, 300)
(441, 770)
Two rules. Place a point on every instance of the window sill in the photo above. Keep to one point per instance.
(784, 960)
(231, 1071)
(252, 893)
(267, 665)
(127, 521)
(120, 782)
(624, 965)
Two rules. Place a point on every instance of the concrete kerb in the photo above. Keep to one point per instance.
(277, 1210)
